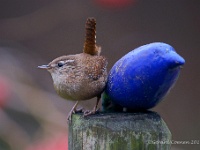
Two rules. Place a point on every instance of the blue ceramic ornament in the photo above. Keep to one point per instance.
(141, 78)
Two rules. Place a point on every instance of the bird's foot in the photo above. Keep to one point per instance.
(69, 116)
(88, 112)
(74, 111)
(79, 110)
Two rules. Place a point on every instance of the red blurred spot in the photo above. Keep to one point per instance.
(57, 143)
(115, 3)
(4, 91)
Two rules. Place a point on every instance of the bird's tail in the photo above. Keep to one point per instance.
(90, 46)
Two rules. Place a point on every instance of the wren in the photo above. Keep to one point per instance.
(81, 76)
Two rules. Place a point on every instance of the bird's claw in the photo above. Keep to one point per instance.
(69, 117)
(88, 112)
(79, 110)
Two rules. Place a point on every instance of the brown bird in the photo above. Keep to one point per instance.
(81, 76)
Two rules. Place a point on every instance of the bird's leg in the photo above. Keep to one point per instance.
(69, 117)
(97, 102)
(87, 113)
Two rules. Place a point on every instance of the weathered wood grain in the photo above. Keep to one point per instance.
(118, 131)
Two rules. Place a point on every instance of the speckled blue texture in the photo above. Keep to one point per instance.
(141, 78)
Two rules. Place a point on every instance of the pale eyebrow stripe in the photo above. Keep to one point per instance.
(70, 60)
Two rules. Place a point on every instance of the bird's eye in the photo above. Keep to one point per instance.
(61, 63)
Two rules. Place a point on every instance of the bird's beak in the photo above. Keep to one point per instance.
(44, 67)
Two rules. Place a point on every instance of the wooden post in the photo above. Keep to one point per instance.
(119, 131)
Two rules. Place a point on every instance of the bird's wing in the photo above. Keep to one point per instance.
(96, 67)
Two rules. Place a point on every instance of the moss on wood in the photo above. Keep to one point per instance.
(118, 131)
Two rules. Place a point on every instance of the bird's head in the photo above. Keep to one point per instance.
(60, 66)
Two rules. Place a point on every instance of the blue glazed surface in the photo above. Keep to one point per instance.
(141, 78)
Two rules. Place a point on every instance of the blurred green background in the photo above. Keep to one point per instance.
(34, 32)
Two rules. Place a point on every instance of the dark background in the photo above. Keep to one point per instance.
(34, 32)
